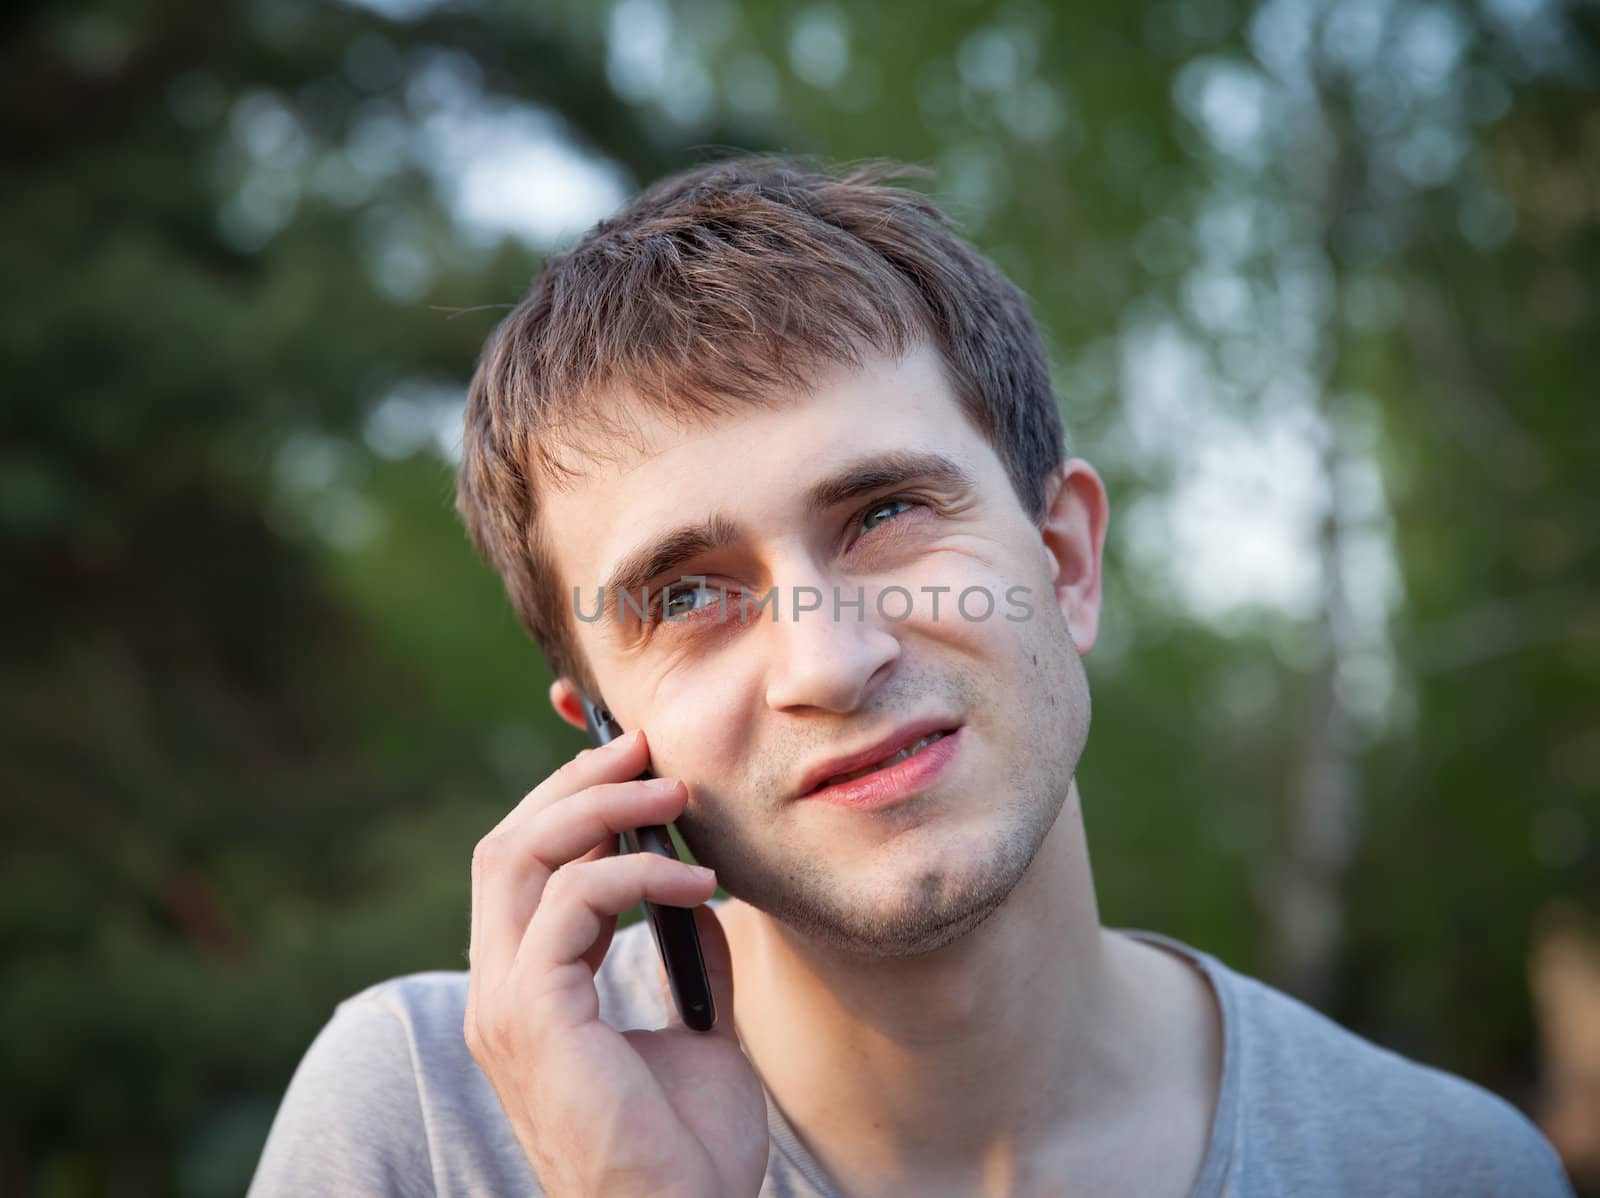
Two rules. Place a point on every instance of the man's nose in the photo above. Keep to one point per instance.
(827, 650)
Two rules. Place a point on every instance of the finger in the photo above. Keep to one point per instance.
(622, 759)
(583, 900)
(582, 826)
(490, 947)
(571, 827)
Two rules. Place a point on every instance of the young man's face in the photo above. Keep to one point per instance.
(743, 710)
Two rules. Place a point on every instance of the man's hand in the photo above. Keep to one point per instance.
(597, 1110)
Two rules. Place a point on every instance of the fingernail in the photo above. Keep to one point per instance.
(702, 873)
(662, 784)
(627, 740)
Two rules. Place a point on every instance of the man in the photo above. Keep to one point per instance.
(771, 462)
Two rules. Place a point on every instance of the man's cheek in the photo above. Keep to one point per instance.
(709, 825)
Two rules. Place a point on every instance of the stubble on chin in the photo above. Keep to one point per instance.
(932, 908)
(933, 903)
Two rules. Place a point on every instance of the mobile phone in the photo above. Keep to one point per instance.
(677, 939)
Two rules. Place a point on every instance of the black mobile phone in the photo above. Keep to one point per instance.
(677, 939)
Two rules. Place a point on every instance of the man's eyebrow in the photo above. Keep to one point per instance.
(666, 551)
(883, 471)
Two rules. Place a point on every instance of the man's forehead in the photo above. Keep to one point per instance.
(619, 432)
(859, 429)
(864, 475)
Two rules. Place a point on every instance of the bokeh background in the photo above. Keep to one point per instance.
(1321, 287)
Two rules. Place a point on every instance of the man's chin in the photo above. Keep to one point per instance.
(910, 902)
(879, 930)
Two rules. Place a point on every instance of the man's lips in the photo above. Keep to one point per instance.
(885, 747)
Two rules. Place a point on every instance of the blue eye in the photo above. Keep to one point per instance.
(903, 504)
(670, 602)
(683, 601)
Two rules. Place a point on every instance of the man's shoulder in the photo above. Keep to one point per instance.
(430, 1001)
(1315, 1096)
(431, 1006)
(389, 1099)
(435, 1001)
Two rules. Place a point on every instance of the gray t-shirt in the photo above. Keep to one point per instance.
(388, 1100)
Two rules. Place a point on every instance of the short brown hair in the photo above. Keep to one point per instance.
(725, 285)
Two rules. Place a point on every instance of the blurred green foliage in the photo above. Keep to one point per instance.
(260, 700)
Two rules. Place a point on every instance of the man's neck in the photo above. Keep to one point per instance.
(990, 1065)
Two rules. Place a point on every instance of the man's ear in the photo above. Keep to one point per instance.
(568, 702)
(1074, 534)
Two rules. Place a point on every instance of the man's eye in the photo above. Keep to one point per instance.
(868, 520)
(679, 602)
(673, 603)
